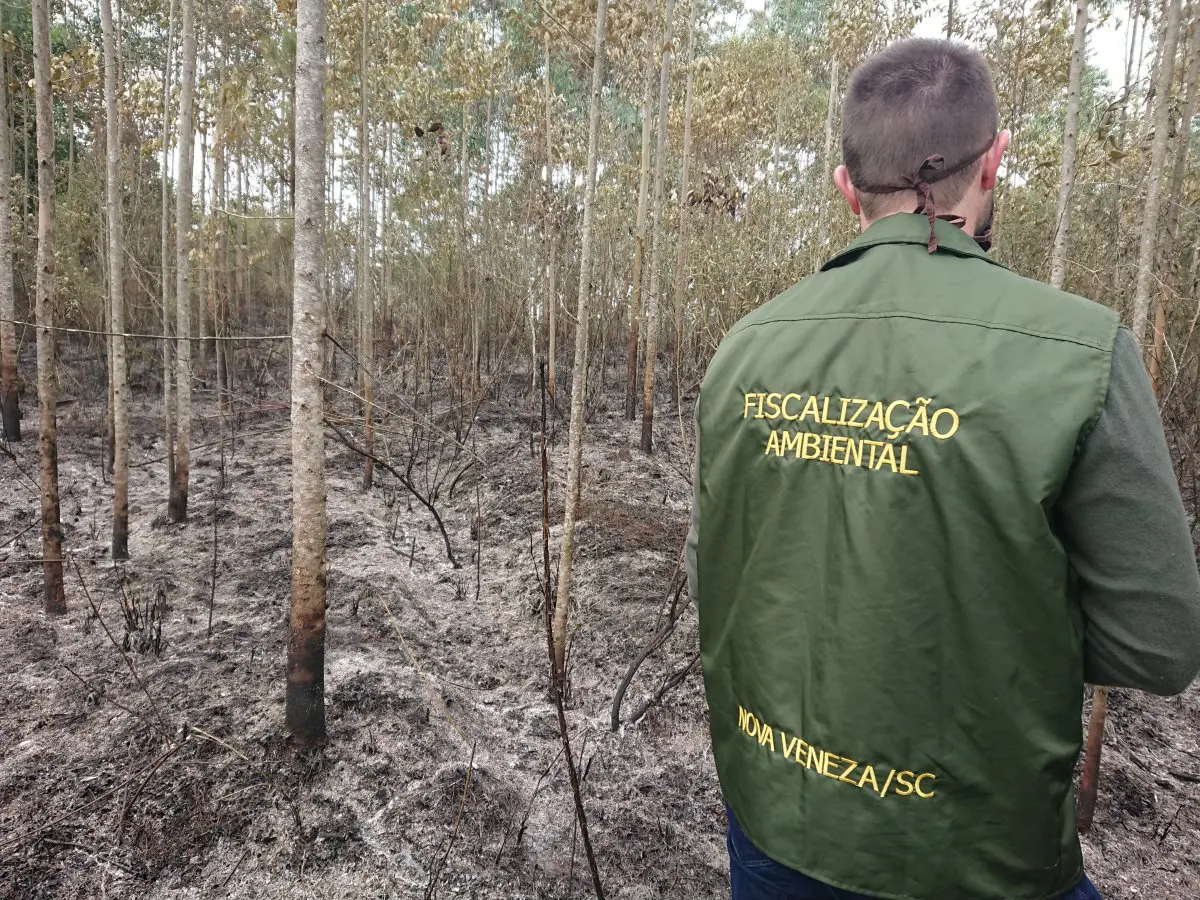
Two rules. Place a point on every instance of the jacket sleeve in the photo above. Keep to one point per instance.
(1127, 537)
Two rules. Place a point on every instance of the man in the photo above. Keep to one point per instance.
(933, 499)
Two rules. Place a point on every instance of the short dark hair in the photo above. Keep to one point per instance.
(917, 98)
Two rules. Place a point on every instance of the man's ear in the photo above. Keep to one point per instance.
(991, 160)
(841, 177)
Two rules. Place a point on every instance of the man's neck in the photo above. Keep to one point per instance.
(969, 218)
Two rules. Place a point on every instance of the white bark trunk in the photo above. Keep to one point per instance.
(165, 260)
(116, 291)
(1066, 182)
(1158, 155)
(306, 647)
(579, 377)
(178, 503)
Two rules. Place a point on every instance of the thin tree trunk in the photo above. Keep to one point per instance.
(684, 218)
(773, 175)
(664, 85)
(950, 19)
(1066, 183)
(116, 291)
(306, 647)
(1158, 155)
(366, 298)
(165, 268)
(10, 398)
(639, 246)
(218, 223)
(54, 597)
(579, 376)
(551, 238)
(1175, 204)
(178, 501)
(70, 141)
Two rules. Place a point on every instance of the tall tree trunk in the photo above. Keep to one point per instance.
(70, 141)
(54, 597)
(773, 173)
(684, 217)
(1066, 182)
(579, 375)
(305, 707)
(639, 246)
(1158, 155)
(10, 397)
(178, 501)
(949, 19)
(1176, 195)
(664, 97)
(116, 292)
(550, 229)
(366, 297)
(217, 279)
(165, 257)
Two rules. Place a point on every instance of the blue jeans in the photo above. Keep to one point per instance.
(754, 876)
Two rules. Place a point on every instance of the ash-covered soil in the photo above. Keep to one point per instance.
(143, 756)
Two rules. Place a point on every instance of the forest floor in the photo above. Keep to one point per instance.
(180, 782)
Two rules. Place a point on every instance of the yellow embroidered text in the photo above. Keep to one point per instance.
(843, 769)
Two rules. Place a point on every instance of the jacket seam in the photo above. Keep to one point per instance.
(948, 320)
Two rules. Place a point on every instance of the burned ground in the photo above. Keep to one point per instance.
(181, 782)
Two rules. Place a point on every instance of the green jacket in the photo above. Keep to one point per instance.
(899, 603)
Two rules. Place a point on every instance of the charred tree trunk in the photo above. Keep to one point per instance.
(664, 92)
(177, 504)
(10, 396)
(305, 706)
(116, 292)
(47, 338)
(366, 297)
(639, 246)
(164, 260)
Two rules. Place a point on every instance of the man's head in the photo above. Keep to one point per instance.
(916, 99)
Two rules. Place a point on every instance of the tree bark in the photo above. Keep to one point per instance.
(305, 701)
(773, 172)
(639, 246)
(165, 257)
(116, 291)
(684, 218)
(579, 376)
(1176, 195)
(1066, 182)
(1158, 155)
(664, 96)
(366, 297)
(54, 597)
(10, 396)
(550, 239)
(178, 501)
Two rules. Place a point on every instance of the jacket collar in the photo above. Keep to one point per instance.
(911, 228)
